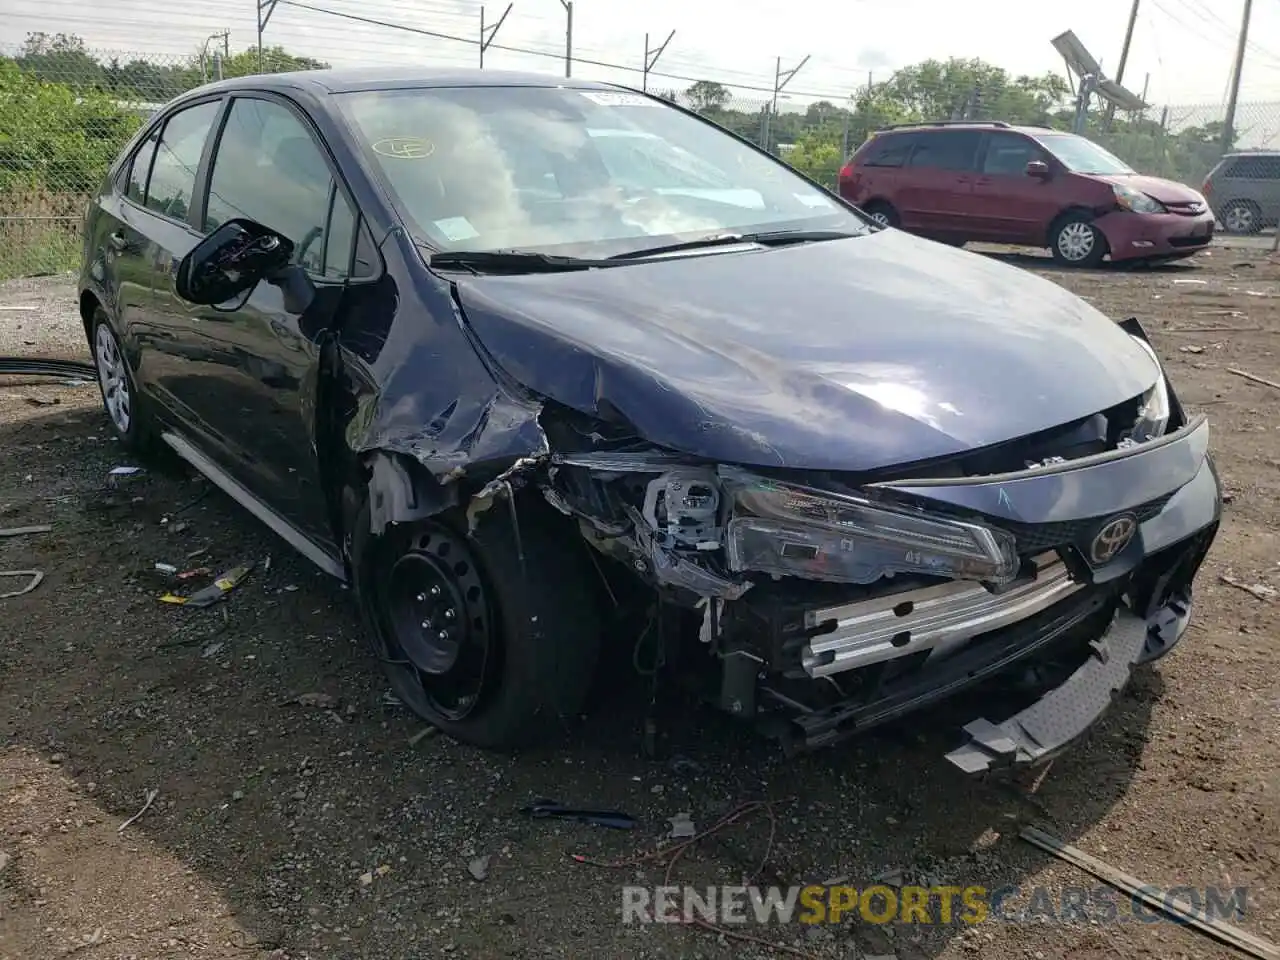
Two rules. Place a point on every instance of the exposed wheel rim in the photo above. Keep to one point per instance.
(436, 629)
(113, 378)
(1076, 241)
(1239, 219)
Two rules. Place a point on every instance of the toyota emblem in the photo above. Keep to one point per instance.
(1112, 538)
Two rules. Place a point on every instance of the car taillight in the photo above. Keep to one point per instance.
(846, 172)
(1204, 188)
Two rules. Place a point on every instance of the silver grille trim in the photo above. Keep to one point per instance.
(940, 618)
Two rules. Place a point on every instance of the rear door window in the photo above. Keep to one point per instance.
(946, 150)
(177, 157)
(888, 150)
(1254, 168)
(140, 169)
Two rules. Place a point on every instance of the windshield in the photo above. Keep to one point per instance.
(1083, 156)
(573, 171)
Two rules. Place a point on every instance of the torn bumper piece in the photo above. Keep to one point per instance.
(1065, 713)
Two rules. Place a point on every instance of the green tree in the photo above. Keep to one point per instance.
(817, 155)
(60, 58)
(707, 95)
(959, 89)
(55, 137)
(274, 60)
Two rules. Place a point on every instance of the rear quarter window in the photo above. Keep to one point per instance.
(1252, 168)
(886, 150)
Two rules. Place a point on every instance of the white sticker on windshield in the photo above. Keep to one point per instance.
(612, 98)
(812, 200)
(456, 228)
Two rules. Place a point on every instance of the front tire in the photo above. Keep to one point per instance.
(124, 406)
(1076, 242)
(491, 648)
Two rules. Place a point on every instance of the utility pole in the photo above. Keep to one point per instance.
(568, 36)
(1124, 58)
(225, 37)
(265, 9)
(780, 79)
(652, 61)
(1088, 84)
(1229, 124)
(488, 33)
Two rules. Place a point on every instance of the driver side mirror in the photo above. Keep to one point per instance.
(1038, 170)
(231, 261)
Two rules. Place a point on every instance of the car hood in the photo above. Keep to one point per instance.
(854, 354)
(1166, 191)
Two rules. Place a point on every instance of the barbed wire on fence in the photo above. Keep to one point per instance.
(66, 110)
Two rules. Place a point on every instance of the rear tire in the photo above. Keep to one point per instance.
(1076, 242)
(124, 406)
(1241, 217)
(491, 650)
(883, 213)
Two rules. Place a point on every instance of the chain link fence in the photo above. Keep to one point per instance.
(65, 111)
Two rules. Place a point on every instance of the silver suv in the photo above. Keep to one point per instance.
(1244, 191)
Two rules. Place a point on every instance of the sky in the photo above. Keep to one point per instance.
(1184, 47)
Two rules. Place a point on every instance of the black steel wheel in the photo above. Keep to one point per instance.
(439, 627)
(493, 637)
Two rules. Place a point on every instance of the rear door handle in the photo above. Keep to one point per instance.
(117, 240)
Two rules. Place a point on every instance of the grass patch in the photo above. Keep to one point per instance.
(40, 232)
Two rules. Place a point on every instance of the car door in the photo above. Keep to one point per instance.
(253, 388)
(151, 224)
(123, 255)
(1006, 205)
(937, 181)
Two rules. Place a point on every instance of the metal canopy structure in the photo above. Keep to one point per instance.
(1091, 81)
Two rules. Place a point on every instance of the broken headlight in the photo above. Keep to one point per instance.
(1153, 414)
(790, 530)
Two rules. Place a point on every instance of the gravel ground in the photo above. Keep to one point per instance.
(315, 829)
(39, 318)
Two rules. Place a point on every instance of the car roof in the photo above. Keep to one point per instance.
(351, 79)
(938, 125)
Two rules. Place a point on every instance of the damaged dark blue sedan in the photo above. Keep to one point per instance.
(547, 368)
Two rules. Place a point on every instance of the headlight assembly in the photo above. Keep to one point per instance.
(1136, 201)
(1153, 414)
(791, 530)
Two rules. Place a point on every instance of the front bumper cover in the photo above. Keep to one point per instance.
(1132, 617)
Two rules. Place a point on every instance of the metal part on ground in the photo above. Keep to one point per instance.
(43, 367)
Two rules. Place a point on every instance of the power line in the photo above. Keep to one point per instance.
(525, 50)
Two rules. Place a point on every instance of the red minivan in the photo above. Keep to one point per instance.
(1031, 186)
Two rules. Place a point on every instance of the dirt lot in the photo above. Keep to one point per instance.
(316, 830)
